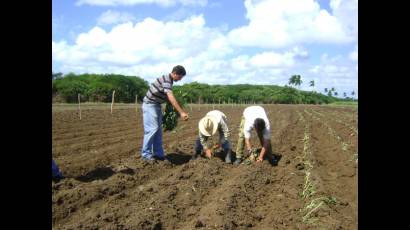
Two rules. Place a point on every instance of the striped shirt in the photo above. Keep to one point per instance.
(157, 92)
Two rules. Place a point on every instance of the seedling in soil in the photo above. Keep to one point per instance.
(305, 218)
(301, 116)
(308, 188)
(355, 157)
(330, 200)
(321, 114)
(344, 146)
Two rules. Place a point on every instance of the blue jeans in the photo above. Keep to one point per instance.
(54, 170)
(152, 144)
(199, 147)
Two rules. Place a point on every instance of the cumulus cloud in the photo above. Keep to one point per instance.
(149, 40)
(346, 12)
(162, 3)
(151, 47)
(269, 59)
(260, 68)
(282, 23)
(145, 43)
(337, 71)
(114, 17)
(354, 54)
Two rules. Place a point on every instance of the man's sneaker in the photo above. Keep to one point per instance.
(237, 161)
(148, 159)
(273, 161)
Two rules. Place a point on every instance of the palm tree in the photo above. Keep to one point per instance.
(332, 89)
(344, 94)
(312, 84)
(295, 80)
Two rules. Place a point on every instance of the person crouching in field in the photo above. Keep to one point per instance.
(159, 92)
(254, 117)
(208, 126)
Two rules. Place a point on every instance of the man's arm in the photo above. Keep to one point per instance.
(174, 103)
(265, 147)
(263, 150)
(205, 144)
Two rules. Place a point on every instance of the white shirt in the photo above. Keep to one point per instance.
(250, 114)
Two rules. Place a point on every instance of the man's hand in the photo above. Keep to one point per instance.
(258, 160)
(208, 153)
(184, 116)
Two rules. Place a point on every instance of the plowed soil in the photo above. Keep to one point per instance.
(108, 186)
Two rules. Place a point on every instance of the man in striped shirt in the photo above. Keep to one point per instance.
(159, 92)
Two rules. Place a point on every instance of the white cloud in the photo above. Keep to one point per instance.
(147, 40)
(261, 68)
(114, 17)
(162, 3)
(354, 54)
(272, 59)
(211, 55)
(240, 63)
(282, 23)
(346, 12)
(194, 2)
(337, 71)
(179, 14)
(150, 48)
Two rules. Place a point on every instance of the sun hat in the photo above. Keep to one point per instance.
(208, 125)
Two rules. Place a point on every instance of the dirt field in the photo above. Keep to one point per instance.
(108, 186)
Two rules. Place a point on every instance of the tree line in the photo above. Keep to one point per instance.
(99, 87)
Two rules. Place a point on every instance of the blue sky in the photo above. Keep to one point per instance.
(218, 42)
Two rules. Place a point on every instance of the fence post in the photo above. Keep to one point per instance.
(79, 106)
(112, 100)
(136, 103)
